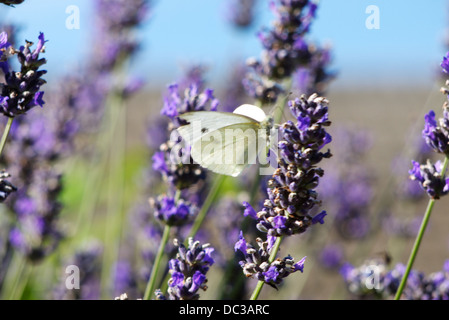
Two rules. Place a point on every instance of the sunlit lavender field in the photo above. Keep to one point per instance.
(105, 196)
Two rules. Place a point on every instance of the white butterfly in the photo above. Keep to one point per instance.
(225, 142)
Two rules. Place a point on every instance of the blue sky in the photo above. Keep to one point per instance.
(405, 50)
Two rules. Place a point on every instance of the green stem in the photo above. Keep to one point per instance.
(5, 134)
(157, 263)
(273, 254)
(419, 237)
(206, 206)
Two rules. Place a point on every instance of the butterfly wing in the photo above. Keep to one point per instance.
(228, 150)
(203, 122)
(210, 132)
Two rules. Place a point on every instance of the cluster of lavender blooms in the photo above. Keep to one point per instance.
(285, 51)
(375, 280)
(188, 271)
(315, 77)
(436, 135)
(241, 13)
(256, 262)
(181, 174)
(21, 90)
(34, 148)
(291, 190)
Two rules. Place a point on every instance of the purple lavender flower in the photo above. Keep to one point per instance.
(188, 271)
(437, 136)
(430, 178)
(37, 209)
(241, 13)
(182, 172)
(291, 191)
(116, 20)
(20, 92)
(255, 263)
(171, 212)
(6, 188)
(445, 63)
(88, 260)
(193, 100)
(284, 47)
(314, 77)
(331, 256)
(124, 278)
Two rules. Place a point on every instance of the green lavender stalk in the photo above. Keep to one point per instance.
(419, 237)
(5, 134)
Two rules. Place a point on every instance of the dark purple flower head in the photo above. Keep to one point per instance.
(436, 134)
(331, 256)
(284, 48)
(291, 190)
(6, 188)
(188, 271)
(255, 263)
(21, 90)
(241, 13)
(193, 100)
(171, 212)
(430, 178)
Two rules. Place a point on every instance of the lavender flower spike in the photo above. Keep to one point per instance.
(6, 188)
(430, 178)
(436, 134)
(188, 271)
(21, 90)
(256, 262)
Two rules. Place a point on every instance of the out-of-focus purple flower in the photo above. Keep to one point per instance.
(373, 279)
(116, 21)
(445, 63)
(430, 178)
(124, 278)
(172, 212)
(249, 211)
(88, 260)
(37, 233)
(402, 227)
(188, 271)
(241, 13)
(331, 256)
(21, 90)
(315, 76)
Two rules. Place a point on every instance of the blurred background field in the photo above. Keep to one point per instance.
(386, 80)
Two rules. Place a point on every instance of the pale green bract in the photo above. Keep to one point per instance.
(226, 142)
